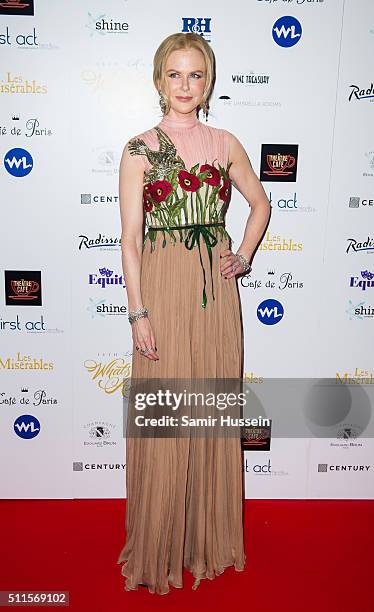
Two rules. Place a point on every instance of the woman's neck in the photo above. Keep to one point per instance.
(188, 120)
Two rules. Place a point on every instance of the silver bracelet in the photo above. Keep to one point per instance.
(134, 315)
(244, 262)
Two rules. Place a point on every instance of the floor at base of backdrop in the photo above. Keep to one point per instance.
(302, 555)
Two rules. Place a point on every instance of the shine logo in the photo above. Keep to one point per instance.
(26, 426)
(18, 162)
(270, 312)
(287, 31)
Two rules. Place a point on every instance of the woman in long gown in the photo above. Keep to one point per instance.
(184, 495)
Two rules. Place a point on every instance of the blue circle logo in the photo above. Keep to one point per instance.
(270, 312)
(18, 162)
(26, 426)
(287, 31)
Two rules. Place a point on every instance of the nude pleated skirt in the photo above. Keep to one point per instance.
(184, 503)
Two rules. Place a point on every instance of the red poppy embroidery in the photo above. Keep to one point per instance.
(188, 181)
(224, 192)
(214, 177)
(148, 206)
(159, 190)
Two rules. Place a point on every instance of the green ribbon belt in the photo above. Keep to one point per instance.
(193, 238)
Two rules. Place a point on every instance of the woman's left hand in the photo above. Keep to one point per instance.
(231, 265)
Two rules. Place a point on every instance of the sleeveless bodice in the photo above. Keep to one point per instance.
(186, 186)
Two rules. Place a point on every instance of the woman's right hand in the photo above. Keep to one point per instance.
(144, 339)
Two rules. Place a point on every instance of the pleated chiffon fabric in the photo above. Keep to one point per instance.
(185, 495)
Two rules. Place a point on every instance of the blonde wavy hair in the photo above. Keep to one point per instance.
(182, 40)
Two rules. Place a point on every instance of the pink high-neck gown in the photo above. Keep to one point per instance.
(184, 495)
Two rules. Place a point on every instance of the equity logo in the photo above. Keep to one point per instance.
(105, 279)
(366, 281)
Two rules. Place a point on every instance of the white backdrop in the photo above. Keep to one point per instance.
(292, 76)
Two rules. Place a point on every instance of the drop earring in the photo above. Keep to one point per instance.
(162, 103)
(205, 108)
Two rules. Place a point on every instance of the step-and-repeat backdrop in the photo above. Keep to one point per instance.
(295, 85)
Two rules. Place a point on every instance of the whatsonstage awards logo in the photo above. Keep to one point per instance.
(110, 373)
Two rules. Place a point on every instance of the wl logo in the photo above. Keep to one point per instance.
(18, 162)
(26, 426)
(270, 312)
(287, 31)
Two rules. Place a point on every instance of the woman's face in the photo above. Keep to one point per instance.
(185, 78)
